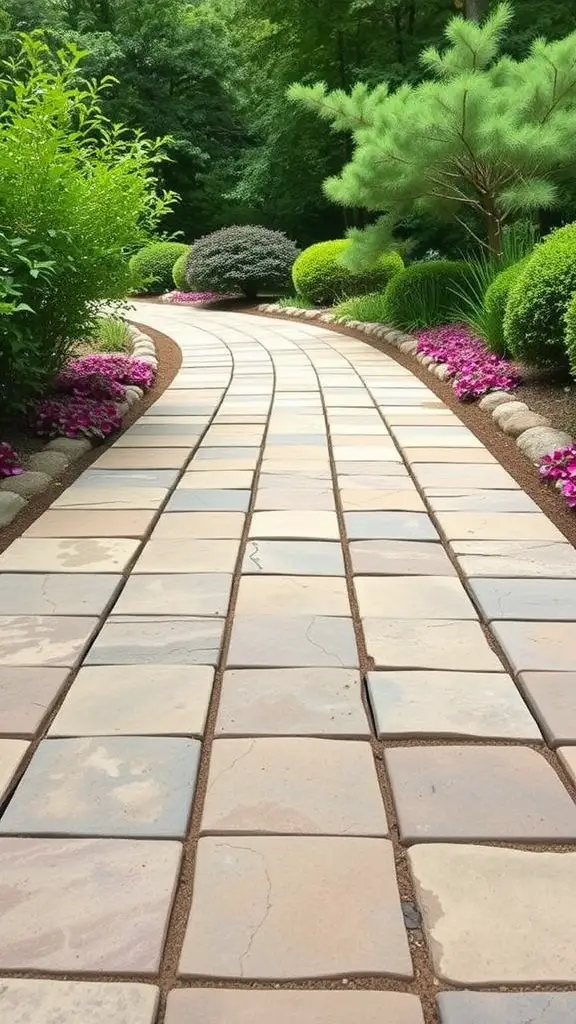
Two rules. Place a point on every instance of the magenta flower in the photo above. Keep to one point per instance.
(473, 370)
(193, 297)
(74, 416)
(560, 466)
(9, 461)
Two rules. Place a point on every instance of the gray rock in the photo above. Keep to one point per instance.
(133, 393)
(409, 347)
(427, 361)
(501, 413)
(442, 371)
(311, 314)
(494, 399)
(539, 441)
(73, 447)
(122, 407)
(10, 505)
(328, 318)
(54, 464)
(520, 421)
(144, 348)
(27, 484)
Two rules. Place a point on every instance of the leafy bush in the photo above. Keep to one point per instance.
(534, 321)
(320, 277)
(111, 335)
(248, 259)
(570, 335)
(425, 294)
(152, 266)
(76, 191)
(495, 302)
(365, 308)
(179, 271)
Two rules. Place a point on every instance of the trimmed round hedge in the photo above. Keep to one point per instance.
(570, 336)
(179, 270)
(152, 266)
(245, 258)
(495, 302)
(319, 276)
(534, 324)
(426, 294)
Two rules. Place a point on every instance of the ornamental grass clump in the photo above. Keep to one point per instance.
(559, 468)
(473, 370)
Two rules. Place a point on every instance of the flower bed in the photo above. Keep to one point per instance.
(9, 461)
(195, 298)
(559, 468)
(471, 368)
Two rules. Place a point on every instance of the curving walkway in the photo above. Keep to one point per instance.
(318, 761)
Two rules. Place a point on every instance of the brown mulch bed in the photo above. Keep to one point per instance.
(551, 395)
(169, 361)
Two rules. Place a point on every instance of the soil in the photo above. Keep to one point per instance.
(169, 361)
(551, 395)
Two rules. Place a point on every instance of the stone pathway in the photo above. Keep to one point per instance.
(288, 710)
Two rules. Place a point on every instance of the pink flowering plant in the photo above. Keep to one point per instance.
(473, 370)
(74, 416)
(9, 461)
(184, 297)
(559, 468)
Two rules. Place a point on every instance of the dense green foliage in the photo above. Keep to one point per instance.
(425, 294)
(245, 258)
(179, 271)
(366, 309)
(570, 335)
(534, 321)
(111, 334)
(152, 266)
(75, 193)
(320, 276)
(495, 302)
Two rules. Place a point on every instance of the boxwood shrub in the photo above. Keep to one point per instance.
(248, 259)
(179, 270)
(152, 266)
(495, 302)
(426, 294)
(319, 276)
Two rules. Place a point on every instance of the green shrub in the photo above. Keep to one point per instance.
(179, 270)
(111, 334)
(495, 302)
(76, 192)
(570, 336)
(152, 266)
(364, 308)
(426, 294)
(534, 322)
(319, 276)
(244, 258)
(294, 302)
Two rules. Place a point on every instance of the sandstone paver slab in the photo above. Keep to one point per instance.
(552, 696)
(292, 595)
(432, 436)
(269, 499)
(240, 479)
(111, 498)
(389, 526)
(507, 526)
(382, 501)
(544, 600)
(139, 458)
(291, 557)
(507, 1008)
(294, 785)
(112, 478)
(290, 907)
(274, 641)
(198, 555)
(56, 593)
(295, 525)
(200, 593)
(512, 559)
(157, 640)
(31, 640)
(12, 753)
(186, 499)
(538, 646)
(429, 643)
(87, 523)
(399, 558)
(462, 474)
(479, 500)
(449, 704)
(94, 554)
(43, 1001)
(90, 905)
(297, 701)
(137, 786)
(439, 455)
(483, 906)
(26, 694)
(413, 597)
(197, 526)
(470, 793)
(568, 757)
(135, 700)
(241, 1006)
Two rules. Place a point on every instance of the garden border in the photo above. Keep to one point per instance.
(50, 464)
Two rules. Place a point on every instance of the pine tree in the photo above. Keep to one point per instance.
(483, 138)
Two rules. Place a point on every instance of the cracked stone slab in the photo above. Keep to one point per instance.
(509, 559)
(111, 498)
(87, 523)
(507, 1008)
(413, 597)
(475, 499)
(26, 694)
(292, 701)
(12, 753)
(291, 557)
(389, 526)
(94, 554)
(399, 558)
(136, 786)
(245, 1006)
(291, 907)
(200, 593)
(471, 793)
(274, 641)
(198, 500)
(157, 640)
(538, 646)
(56, 593)
(85, 905)
(429, 643)
(382, 501)
(552, 697)
(543, 600)
(450, 704)
(197, 526)
(292, 595)
(135, 700)
(483, 905)
(43, 1001)
(507, 526)
(287, 785)
(31, 640)
(198, 555)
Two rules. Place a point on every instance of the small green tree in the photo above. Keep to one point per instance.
(484, 138)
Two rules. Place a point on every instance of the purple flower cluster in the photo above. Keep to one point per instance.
(560, 468)
(474, 370)
(9, 461)
(93, 375)
(74, 416)
(185, 297)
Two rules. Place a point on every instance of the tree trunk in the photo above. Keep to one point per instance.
(474, 9)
